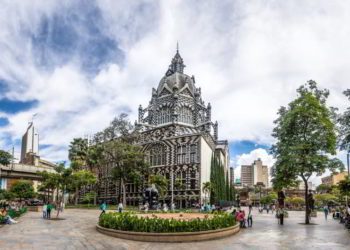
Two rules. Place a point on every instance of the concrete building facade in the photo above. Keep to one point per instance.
(334, 179)
(254, 173)
(30, 164)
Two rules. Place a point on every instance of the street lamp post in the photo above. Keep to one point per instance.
(172, 189)
(348, 161)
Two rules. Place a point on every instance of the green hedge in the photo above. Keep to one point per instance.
(2, 219)
(13, 213)
(131, 222)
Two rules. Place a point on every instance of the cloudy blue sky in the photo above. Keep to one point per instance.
(77, 64)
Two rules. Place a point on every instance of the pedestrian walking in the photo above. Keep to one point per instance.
(44, 210)
(280, 215)
(326, 211)
(250, 217)
(48, 210)
(120, 207)
(103, 208)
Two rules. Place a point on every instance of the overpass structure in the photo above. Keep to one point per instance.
(17, 171)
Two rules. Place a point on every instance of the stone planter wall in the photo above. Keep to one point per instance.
(170, 237)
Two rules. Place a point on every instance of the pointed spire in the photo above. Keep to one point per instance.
(177, 63)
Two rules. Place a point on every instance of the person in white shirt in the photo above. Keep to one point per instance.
(44, 211)
(120, 207)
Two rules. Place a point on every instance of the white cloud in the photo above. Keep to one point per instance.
(248, 57)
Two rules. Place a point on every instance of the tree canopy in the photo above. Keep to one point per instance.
(5, 158)
(23, 189)
(344, 126)
(305, 137)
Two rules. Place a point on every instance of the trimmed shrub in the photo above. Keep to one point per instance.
(131, 222)
(13, 213)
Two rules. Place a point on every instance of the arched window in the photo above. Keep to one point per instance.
(164, 115)
(186, 115)
(157, 155)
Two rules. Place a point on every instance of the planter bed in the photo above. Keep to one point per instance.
(167, 227)
(171, 237)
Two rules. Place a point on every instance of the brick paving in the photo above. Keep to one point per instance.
(78, 231)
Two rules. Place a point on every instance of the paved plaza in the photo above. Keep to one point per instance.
(77, 231)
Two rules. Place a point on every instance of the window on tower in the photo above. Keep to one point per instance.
(157, 155)
(187, 154)
(186, 115)
(164, 115)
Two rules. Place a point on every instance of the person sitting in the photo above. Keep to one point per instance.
(234, 213)
(8, 219)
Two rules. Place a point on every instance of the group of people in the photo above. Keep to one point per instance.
(47, 208)
(267, 208)
(208, 208)
(240, 216)
(103, 207)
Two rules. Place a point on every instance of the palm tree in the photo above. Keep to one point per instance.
(78, 153)
(206, 189)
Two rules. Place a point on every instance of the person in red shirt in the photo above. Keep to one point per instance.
(240, 217)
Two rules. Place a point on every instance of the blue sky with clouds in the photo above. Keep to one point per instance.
(77, 64)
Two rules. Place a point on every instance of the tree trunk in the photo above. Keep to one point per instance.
(307, 207)
(58, 191)
(120, 190)
(124, 193)
(76, 196)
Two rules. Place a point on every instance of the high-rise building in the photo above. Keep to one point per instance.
(232, 176)
(254, 173)
(30, 144)
(247, 175)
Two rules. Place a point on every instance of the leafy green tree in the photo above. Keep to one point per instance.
(57, 181)
(23, 190)
(344, 186)
(5, 158)
(161, 183)
(89, 197)
(128, 162)
(206, 187)
(80, 179)
(269, 198)
(323, 199)
(306, 136)
(344, 126)
(323, 188)
(6, 195)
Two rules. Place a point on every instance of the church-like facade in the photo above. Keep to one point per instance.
(179, 137)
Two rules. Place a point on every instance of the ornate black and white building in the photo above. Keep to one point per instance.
(178, 138)
(178, 135)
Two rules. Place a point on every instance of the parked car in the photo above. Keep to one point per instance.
(34, 202)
